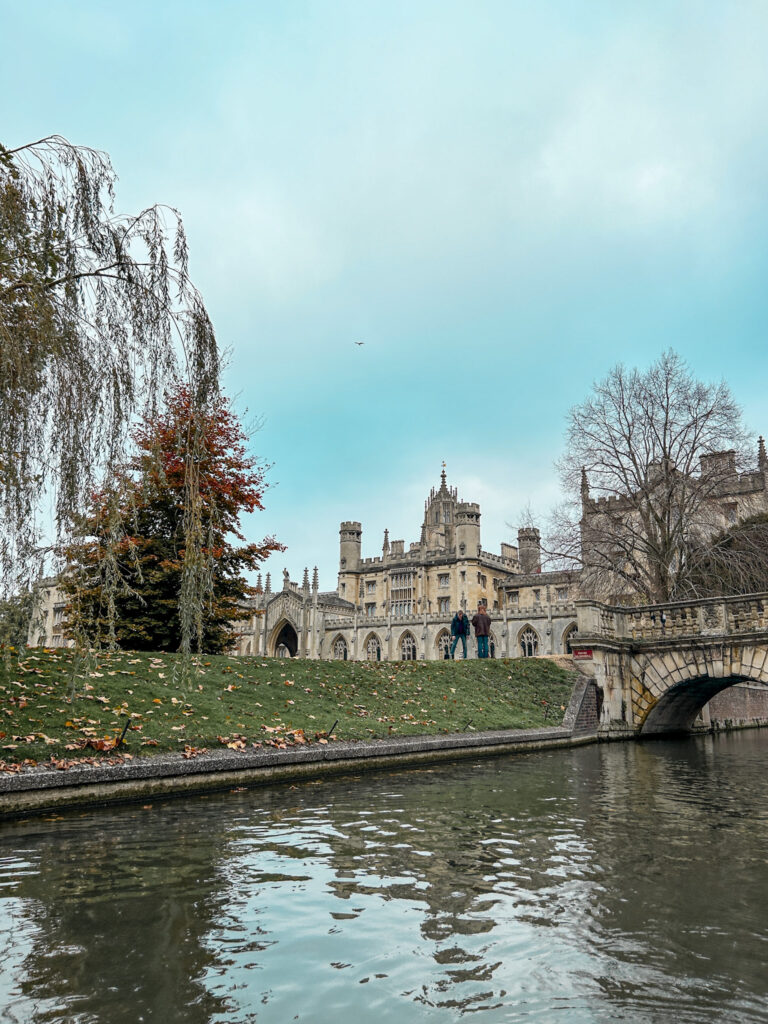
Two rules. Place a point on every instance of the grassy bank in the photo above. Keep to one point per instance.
(54, 708)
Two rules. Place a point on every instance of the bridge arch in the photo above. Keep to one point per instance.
(658, 666)
(678, 707)
(675, 688)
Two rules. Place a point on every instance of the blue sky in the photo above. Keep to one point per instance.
(502, 200)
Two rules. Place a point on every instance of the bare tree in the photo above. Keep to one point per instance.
(652, 472)
(97, 315)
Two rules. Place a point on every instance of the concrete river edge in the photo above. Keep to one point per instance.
(42, 789)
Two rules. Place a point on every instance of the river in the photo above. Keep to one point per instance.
(612, 882)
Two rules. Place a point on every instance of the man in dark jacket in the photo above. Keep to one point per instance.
(482, 624)
(459, 631)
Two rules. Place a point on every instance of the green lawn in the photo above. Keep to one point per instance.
(53, 707)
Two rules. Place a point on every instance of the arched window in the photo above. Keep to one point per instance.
(568, 637)
(443, 643)
(373, 648)
(492, 646)
(529, 642)
(407, 647)
(340, 649)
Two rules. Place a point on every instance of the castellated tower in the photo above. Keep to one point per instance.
(349, 546)
(467, 529)
(529, 547)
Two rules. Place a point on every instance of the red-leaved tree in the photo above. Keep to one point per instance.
(133, 546)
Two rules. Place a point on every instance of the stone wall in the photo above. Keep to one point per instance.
(742, 704)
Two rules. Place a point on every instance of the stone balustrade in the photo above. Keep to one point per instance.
(712, 617)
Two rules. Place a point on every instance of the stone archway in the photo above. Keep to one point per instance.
(285, 639)
(678, 707)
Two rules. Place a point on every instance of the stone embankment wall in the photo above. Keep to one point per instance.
(741, 705)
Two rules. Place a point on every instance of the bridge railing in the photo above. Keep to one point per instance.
(711, 617)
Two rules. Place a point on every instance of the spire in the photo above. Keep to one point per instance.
(584, 484)
(259, 584)
(305, 581)
(315, 580)
(442, 476)
(385, 545)
(762, 459)
(268, 584)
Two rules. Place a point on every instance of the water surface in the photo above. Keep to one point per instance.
(613, 882)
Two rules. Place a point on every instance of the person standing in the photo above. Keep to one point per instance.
(459, 631)
(482, 624)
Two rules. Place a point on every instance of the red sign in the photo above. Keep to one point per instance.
(582, 654)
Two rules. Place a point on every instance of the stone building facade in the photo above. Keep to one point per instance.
(715, 496)
(47, 627)
(398, 605)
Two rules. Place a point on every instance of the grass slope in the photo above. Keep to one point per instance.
(53, 707)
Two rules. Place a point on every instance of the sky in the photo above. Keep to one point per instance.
(502, 200)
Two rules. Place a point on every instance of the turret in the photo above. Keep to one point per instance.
(350, 535)
(584, 486)
(529, 547)
(467, 529)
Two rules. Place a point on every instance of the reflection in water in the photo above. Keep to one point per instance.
(605, 883)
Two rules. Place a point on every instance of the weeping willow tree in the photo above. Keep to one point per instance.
(97, 315)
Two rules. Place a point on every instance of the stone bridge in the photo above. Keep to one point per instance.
(657, 667)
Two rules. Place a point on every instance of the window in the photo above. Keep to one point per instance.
(568, 637)
(513, 596)
(444, 605)
(401, 592)
(443, 644)
(58, 614)
(463, 575)
(446, 514)
(562, 593)
(407, 647)
(370, 609)
(731, 512)
(529, 642)
(373, 648)
(443, 579)
(370, 587)
(343, 589)
(537, 597)
(340, 649)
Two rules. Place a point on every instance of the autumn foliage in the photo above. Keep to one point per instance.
(126, 574)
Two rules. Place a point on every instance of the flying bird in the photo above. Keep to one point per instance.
(359, 342)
